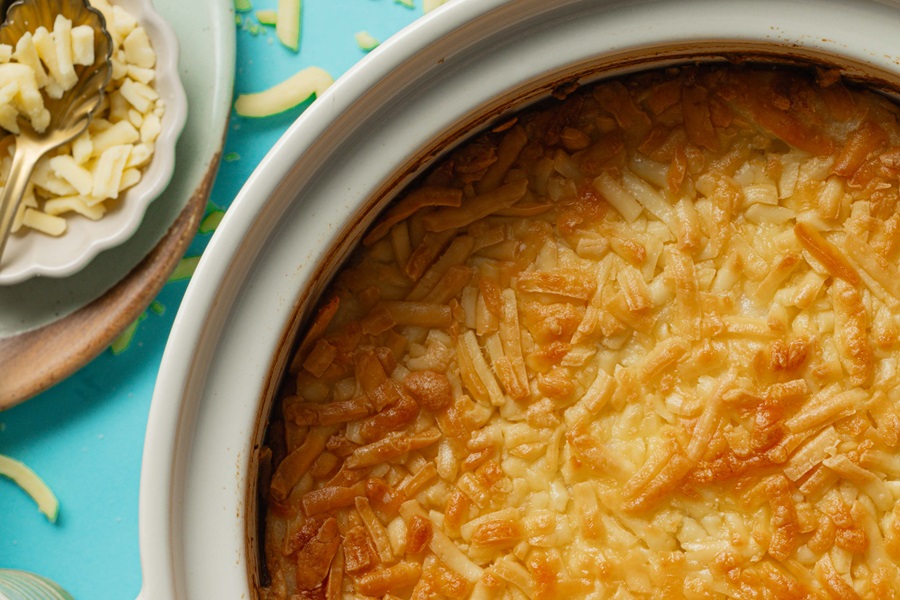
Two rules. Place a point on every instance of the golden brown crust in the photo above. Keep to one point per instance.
(641, 343)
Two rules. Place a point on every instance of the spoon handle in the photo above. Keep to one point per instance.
(23, 163)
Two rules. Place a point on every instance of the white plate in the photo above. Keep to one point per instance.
(464, 64)
(29, 254)
(205, 31)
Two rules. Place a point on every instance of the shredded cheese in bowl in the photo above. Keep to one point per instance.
(84, 176)
(90, 194)
(641, 342)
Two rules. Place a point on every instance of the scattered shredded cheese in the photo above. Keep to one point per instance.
(287, 25)
(211, 222)
(285, 95)
(123, 342)
(365, 41)
(33, 485)
(267, 17)
(157, 308)
(185, 268)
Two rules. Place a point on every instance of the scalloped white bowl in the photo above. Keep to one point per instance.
(449, 74)
(33, 254)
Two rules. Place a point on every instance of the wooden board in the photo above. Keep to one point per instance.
(38, 359)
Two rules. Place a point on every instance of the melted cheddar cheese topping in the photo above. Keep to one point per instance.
(642, 342)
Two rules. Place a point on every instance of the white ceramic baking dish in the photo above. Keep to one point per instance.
(458, 69)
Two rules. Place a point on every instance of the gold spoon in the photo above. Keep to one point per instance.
(70, 114)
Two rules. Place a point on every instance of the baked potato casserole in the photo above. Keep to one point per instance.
(641, 341)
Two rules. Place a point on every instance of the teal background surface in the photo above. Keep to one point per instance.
(85, 436)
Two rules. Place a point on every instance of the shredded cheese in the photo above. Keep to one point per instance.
(33, 485)
(285, 95)
(81, 177)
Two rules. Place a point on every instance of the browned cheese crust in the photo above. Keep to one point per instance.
(638, 343)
